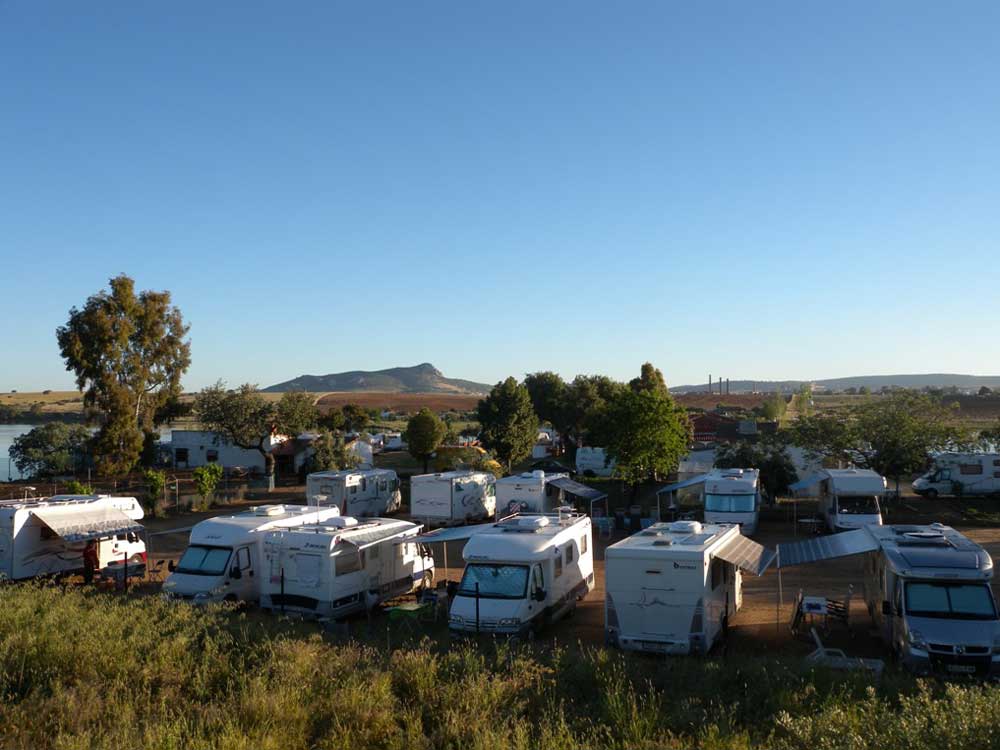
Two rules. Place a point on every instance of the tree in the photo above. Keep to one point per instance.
(650, 379)
(156, 485)
(296, 413)
(777, 472)
(355, 417)
(773, 408)
(985, 391)
(584, 416)
(206, 480)
(423, 435)
(128, 353)
(332, 421)
(648, 434)
(803, 400)
(50, 449)
(330, 454)
(509, 424)
(548, 396)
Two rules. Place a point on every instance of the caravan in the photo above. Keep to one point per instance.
(849, 498)
(594, 462)
(927, 589)
(358, 493)
(223, 559)
(48, 536)
(733, 496)
(961, 474)
(343, 565)
(529, 492)
(524, 572)
(452, 497)
(672, 588)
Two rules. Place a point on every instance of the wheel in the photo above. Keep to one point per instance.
(931, 494)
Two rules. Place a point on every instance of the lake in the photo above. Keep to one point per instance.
(7, 434)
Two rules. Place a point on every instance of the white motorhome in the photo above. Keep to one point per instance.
(961, 473)
(364, 493)
(48, 536)
(593, 462)
(927, 589)
(529, 492)
(849, 498)
(223, 559)
(733, 496)
(452, 497)
(524, 572)
(343, 565)
(673, 587)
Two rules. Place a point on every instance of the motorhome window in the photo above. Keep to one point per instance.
(346, 562)
(718, 573)
(354, 489)
(970, 468)
(743, 503)
(558, 566)
(243, 558)
(569, 553)
(865, 506)
(364, 484)
(966, 601)
(204, 561)
(495, 581)
(583, 544)
(383, 485)
(996, 461)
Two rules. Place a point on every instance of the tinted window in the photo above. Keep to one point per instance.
(347, 562)
(494, 581)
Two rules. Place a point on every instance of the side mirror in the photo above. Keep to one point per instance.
(235, 573)
(171, 566)
(539, 595)
(886, 608)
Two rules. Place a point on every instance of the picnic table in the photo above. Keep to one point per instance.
(411, 614)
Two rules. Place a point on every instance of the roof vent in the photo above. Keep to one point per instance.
(269, 510)
(538, 474)
(686, 527)
(342, 522)
(662, 543)
(533, 522)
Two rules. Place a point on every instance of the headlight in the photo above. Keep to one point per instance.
(456, 620)
(509, 622)
(917, 640)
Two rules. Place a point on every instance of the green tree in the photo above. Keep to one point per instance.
(777, 472)
(355, 417)
(509, 424)
(584, 418)
(802, 400)
(424, 433)
(332, 421)
(50, 449)
(773, 408)
(648, 433)
(74, 487)
(206, 481)
(650, 379)
(548, 396)
(330, 454)
(296, 412)
(128, 353)
(156, 485)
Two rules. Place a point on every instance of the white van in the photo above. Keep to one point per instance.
(360, 493)
(850, 498)
(524, 572)
(452, 497)
(733, 496)
(673, 587)
(223, 557)
(529, 492)
(967, 474)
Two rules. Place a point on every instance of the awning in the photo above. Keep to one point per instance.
(94, 523)
(806, 483)
(453, 534)
(747, 555)
(579, 490)
(681, 485)
(826, 548)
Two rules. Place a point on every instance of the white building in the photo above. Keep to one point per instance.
(193, 448)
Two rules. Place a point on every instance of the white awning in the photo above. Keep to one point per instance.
(747, 555)
(826, 548)
(700, 479)
(453, 534)
(76, 525)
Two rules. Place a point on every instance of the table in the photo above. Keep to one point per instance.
(410, 614)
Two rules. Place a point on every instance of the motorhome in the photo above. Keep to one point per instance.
(594, 462)
(673, 587)
(343, 565)
(358, 493)
(850, 498)
(927, 589)
(733, 496)
(47, 536)
(223, 559)
(452, 498)
(524, 572)
(529, 492)
(961, 474)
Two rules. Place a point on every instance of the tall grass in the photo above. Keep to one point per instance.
(84, 670)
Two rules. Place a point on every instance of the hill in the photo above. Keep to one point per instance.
(424, 378)
(873, 382)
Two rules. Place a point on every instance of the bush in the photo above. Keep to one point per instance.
(73, 487)
(156, 484)
(206, 480)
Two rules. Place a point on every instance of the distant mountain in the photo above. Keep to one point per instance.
(423, 378)
(872, 382)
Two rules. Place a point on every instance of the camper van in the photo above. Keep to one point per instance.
(672, 588)
(530, 492)
(452, 498)
(928, 591)
(48, 536)
(358, 493)
(733, 496)
(849, 498)
(961, 473)
(343, 565)
(223, 557)
(593, 462)
(524, 572)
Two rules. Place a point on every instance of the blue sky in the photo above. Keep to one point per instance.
(753, 190)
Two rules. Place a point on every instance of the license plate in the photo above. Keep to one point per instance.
(961, 668)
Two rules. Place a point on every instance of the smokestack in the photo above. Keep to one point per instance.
(710, 382)
(727, 386)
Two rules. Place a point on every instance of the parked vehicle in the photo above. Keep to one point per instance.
(673, 587)
(343, 565)
(47, 536)
(593, 462)
(223, 559)
(551, 466)
(850, 498)
(927, 589)
(452, 498)
(733, 496)
(530, 492)
(961, 474)
(364, 493)
(524, 572)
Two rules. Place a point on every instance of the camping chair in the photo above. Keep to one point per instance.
(835, 658)
(155, 572)
(605, 527)
(840, 611)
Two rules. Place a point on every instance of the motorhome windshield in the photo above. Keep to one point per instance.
(743, 503)
(865, 505)
(495, 581)
(204, 561)
(963, 601)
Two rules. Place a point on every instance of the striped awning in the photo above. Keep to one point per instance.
(747, 555)
(74, 525)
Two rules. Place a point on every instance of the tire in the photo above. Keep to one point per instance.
(931, 494)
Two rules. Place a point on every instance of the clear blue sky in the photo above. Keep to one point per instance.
(752, 189)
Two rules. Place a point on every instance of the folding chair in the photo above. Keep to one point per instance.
(155, 572)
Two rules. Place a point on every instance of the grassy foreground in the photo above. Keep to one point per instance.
(84, 670)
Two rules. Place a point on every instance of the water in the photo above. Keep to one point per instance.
(7, 434)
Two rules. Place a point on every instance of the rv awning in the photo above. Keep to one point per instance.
(826, 548)
(95, 523)
(681, 485)
(806, 483)
(747, 555)
(453, 534)
(580, 490)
